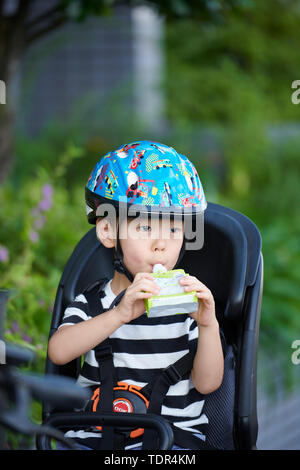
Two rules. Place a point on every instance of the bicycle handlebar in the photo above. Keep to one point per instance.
(58, 391)
(17, 356)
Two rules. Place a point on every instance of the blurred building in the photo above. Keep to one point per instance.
(115, 57)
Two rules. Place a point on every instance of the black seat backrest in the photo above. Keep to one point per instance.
(230, 264)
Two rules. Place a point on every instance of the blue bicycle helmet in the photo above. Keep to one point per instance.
(147, 176)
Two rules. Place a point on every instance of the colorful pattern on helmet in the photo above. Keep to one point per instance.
(147, 173)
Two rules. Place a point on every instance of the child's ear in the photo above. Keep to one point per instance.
(105, 232)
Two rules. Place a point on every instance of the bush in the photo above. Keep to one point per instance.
(40, 224)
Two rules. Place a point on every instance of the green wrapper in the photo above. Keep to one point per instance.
(172, 298)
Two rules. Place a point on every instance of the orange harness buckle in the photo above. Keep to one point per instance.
(127, 399)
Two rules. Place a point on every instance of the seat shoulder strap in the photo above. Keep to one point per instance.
(169, 376)
(93, 295)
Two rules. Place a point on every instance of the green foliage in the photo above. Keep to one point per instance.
(171, 9)
(40, 224)
(241, 68)
(41, 221)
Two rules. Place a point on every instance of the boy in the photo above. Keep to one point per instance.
(145, 175)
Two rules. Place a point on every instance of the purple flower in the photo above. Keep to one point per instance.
(46, 203)
(26, 338)
(47, 191)
(3, 254)
(15, 327)
(39, 223)
(34, 236)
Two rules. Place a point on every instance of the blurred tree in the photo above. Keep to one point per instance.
(237, 69)
(235, 77)
(20, 27)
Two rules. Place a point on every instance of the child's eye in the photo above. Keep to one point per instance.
(175, 229)
(144, 228)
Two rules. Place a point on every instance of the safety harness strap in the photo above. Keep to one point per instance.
(158, 390)
(104, 358)
(169, 376)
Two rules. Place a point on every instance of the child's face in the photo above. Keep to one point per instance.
(146, 242)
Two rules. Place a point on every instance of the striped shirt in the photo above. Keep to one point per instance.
(141, 350)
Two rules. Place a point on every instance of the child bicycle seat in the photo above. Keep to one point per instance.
(231, 265)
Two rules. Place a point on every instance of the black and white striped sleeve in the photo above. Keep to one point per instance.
(76, 312)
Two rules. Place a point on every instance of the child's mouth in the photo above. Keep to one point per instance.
(158, 267)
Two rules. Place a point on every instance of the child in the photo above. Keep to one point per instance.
(145, 175)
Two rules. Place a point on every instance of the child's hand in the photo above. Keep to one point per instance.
(206, 315)
(132, 304)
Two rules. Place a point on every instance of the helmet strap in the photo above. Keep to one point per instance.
(119, 264)
(181, 254)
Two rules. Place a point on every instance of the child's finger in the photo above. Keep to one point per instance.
(204, 295)
(143, 295)
(146, 285)
(143, 276)
(195, 286)
(140, 277)
(192, 280)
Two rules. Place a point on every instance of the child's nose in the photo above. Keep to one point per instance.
(159, 244)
